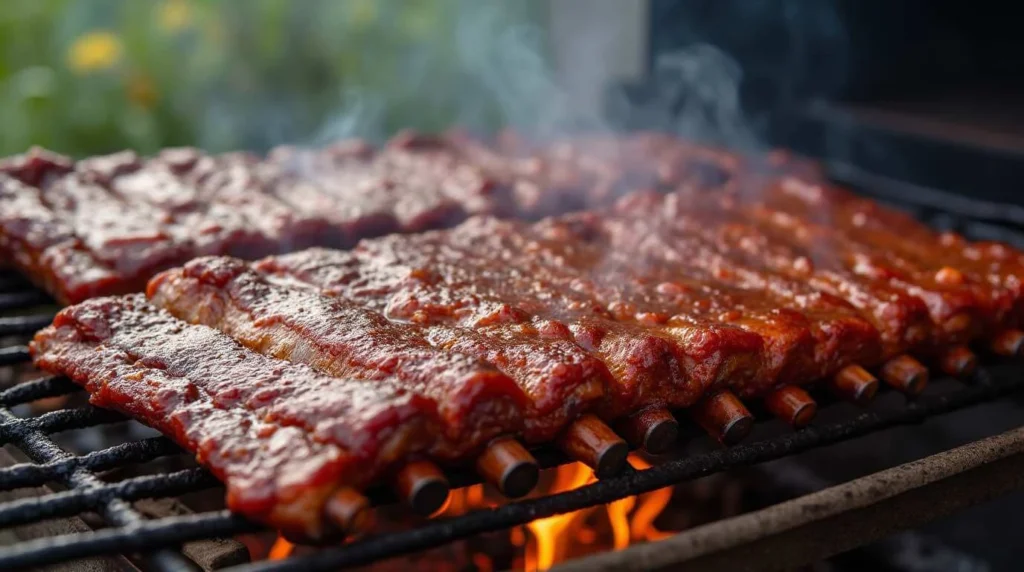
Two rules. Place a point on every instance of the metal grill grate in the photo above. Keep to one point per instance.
(86, 490)
(130, 532)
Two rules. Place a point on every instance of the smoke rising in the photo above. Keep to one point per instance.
(359, 115)
(504, 74)
(700, 92)
(252, 74)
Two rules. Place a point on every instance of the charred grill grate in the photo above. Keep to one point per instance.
(132, 533)
(23, 326)
(128, 531)
(86, 492)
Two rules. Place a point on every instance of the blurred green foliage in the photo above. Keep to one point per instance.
(93, 76)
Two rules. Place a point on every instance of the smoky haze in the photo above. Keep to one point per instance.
(259, 73)
(507, 76)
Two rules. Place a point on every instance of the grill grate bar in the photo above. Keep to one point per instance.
(31, 475)
(14, 355)
(24, 325)
(50, 386)
(21, 300)
(26, 435)
(61, 420)
(170, 531)
(69, 503)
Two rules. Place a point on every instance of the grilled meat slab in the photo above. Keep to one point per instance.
(281, 436)
(105, 225)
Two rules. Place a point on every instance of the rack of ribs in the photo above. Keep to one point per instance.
(290, 443)
(469, 279)
(556, 380)
(107, 224)
(700, 280)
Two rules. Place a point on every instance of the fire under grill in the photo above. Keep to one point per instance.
(73, 505)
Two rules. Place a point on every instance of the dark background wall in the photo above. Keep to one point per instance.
(924, 91)
(850, 49)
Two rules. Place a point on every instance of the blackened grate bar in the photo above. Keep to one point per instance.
(29, 436)
(18, 300)
(24, 325)
(993, 382)
(67, 419)
(13, 355)
(30, 475)
(171, 531)
(12, 428)
(70, 503)
(51, 386)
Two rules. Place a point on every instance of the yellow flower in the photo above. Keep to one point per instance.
(94, 51)
(175, 15)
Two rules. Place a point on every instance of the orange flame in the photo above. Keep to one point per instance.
(618, 515)
(548, 532)
(631, 519)
(649, 507)
(461, 501)
(282, 549)
(550, 540)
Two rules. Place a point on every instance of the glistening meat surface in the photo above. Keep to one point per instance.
(477, 277)
(554, 379)
(475, 401)
(280, 435)
(322, 370)
(643, 271)
(105, 225)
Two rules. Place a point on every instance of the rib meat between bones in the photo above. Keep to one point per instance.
(106, 224)
(649, 275)
(476, 277)
(966, 286)
(556, 379)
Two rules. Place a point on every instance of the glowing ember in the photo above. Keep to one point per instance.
(282, 549)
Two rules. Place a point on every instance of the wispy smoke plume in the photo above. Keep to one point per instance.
(699, 91)
(488, 64)
(360, 114)
(510, 64)
(504, 74)
(256, 73)
(495, 69)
